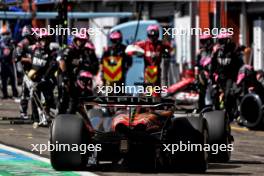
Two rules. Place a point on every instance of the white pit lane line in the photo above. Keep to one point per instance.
(36, 157)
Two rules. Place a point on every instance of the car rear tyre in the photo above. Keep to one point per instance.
(68, 129)
(190, 130)
(219, 134)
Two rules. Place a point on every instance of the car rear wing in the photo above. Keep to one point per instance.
(127, 101)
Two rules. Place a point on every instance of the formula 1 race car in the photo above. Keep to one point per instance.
(143, 132)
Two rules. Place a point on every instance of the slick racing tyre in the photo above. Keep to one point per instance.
(68, 129)
(191, 130)
(219, 134)
(251, 114)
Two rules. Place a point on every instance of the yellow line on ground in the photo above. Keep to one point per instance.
(260, 133)
(239, 128)
(257, 133)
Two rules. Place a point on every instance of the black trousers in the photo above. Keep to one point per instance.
(45, 88)
(8, 72)
(229, 98)
(24, 98)
(68, 99)
(202, 85)
(63, 95)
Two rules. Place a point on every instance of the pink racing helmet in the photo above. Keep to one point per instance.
(205, 40)
(81, 35)
(86, 74)
(153, 32)
(223, 35)
(84, 80)
(153, 27)
(244, 71)
(205, 36)
(116, 35)
(89, 45)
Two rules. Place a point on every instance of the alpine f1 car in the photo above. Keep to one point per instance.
(143, 132)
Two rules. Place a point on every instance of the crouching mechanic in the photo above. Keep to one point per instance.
(248, 82)
(42, 72)
(115, 62)
(84, 77)
(153, 51)
(80, 55)
(23, 56)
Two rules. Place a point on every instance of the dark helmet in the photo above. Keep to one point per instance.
(153, 32)
(80, 39)
(206, 40)
(27, 32)
(44, 38)
(85, 82)
(116, 37)
(245, 72)
(224, 38)
(81, 36)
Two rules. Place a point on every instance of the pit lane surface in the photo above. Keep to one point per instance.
(247, 158)
(18, 162)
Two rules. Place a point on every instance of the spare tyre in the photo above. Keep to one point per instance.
(251, 111)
